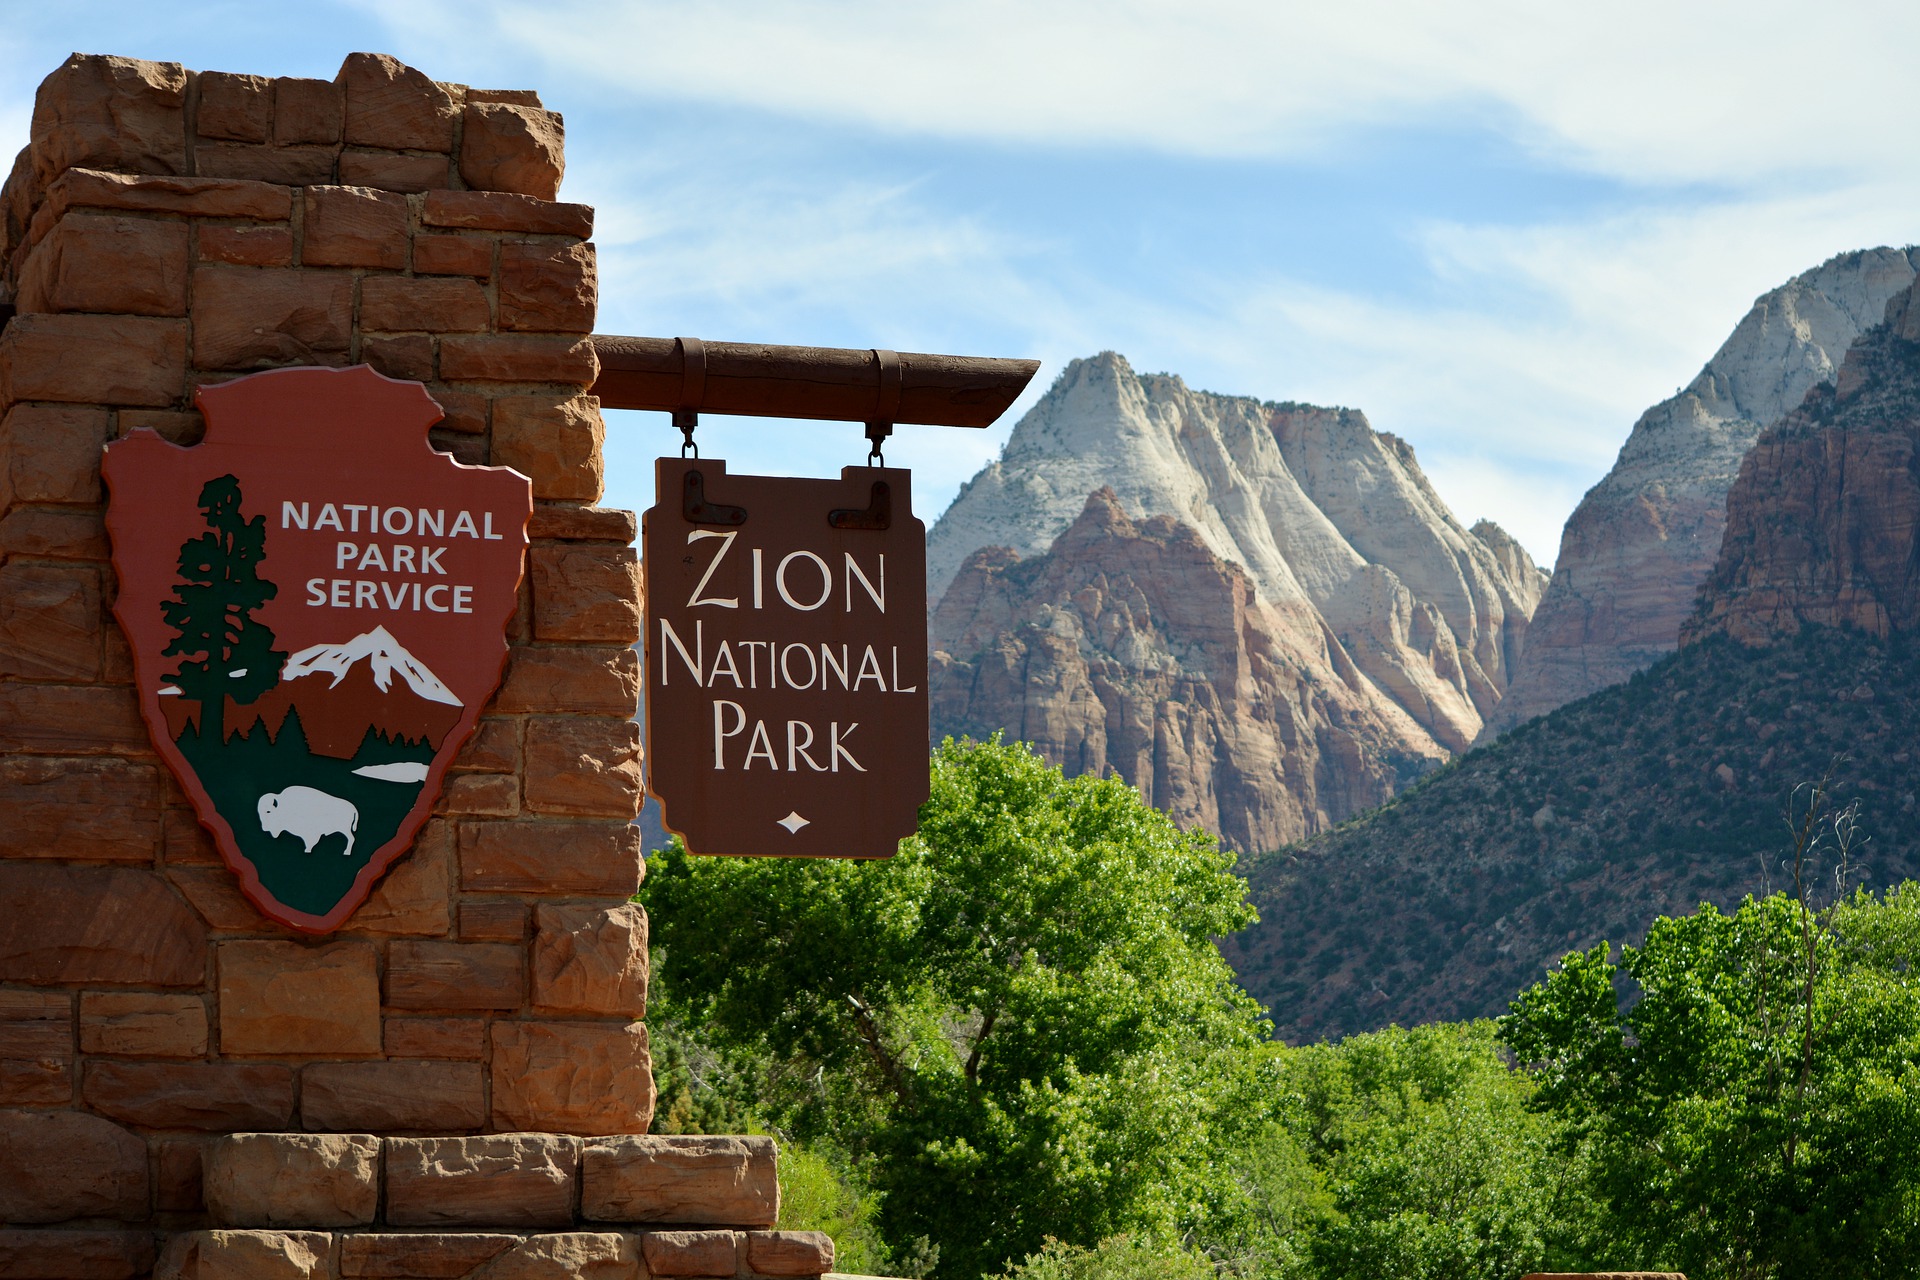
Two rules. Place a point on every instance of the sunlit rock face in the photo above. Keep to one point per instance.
(1636, 550)
(1261, 614)
(1823, 522)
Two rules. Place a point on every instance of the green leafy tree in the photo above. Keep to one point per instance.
(224, 652)
(1019, 1025)
(1755, 1108)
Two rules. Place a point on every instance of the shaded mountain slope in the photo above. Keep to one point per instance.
(1645, 798)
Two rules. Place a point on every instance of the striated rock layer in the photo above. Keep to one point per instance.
(1264, 616)
(1823, 523)
(1133, 648)
(1638, 547)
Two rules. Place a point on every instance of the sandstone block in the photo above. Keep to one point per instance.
(585, 1255)
(572, 679)
(688, 1179)
(572, 1077)
(397, 303)
(177, 1175)
(421, 1256)
(548, 287)
(104, 112)
(306, 110)
(690, 1253)
(517, 97)
(234, 107)
(49, 631)
(36, 1049)
(61, 924)
(54, 533)
(519, 358)
(504, 147)
(457, 1038)
(293, 166)
(398, 1096)
(591, 958)
(414, 897)
(91, 359)
(389, 104)
(466, 411)
(583, 766)
(556, 859)
(293, 1179)
(455, 975)
(493, 748)
(216, 896)
(483, 795)
(567, 522)
(408, 356)
(242, 246)
(288, 999)
(789, 1253)
(586, 593)
(56, 1165)
(555, 441)
(52, 719)
(146, 193)
(502, 1180)
(88, 1253)
(394, 170)
(215, 1097)
(354, 227)
(51, 453)
(493, 919)
(108, 263)
(244, 319)
(502, 211)
(453, 255)
(143, 1024)
(245, 1255)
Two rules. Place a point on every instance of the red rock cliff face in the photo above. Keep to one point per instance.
(1130, 647)
(1823, 523)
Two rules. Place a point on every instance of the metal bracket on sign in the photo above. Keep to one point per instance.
(877, 517)
(697, 510)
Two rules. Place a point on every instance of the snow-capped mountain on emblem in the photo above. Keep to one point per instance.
(384, 655)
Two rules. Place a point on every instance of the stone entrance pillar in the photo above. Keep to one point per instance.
(166, 229)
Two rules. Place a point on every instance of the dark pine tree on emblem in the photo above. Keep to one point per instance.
(224, 652)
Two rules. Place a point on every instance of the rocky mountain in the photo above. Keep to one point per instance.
(1261, 614)
(345, 691)
(1799, 662)
(1638, 547)
(1823, 523)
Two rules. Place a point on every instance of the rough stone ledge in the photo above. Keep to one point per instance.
(510, 1181)
(399, 1255)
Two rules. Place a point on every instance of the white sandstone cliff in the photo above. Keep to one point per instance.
(1641, 542)
(1322, 512)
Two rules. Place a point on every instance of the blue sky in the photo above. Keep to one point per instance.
(1501, 228)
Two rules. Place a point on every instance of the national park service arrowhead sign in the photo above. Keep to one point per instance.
(786, 644)
(317, 604)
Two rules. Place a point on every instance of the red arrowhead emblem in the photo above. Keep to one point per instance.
(317, 603)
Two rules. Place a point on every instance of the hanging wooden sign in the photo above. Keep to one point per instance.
(317, 604)
(786, 649)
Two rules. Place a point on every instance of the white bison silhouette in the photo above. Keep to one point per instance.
(312, 815)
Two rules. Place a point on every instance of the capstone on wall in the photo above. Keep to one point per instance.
(167, 229)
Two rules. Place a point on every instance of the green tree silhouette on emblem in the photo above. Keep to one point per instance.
(224, 652)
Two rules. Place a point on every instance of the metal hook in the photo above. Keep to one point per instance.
(693, 389)
(886, 403)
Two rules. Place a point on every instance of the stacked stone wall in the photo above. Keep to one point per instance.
(166, 230)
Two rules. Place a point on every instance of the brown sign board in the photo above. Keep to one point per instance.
(316, 601)
(786, 660)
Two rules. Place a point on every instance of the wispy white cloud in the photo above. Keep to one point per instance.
(1646, 90)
